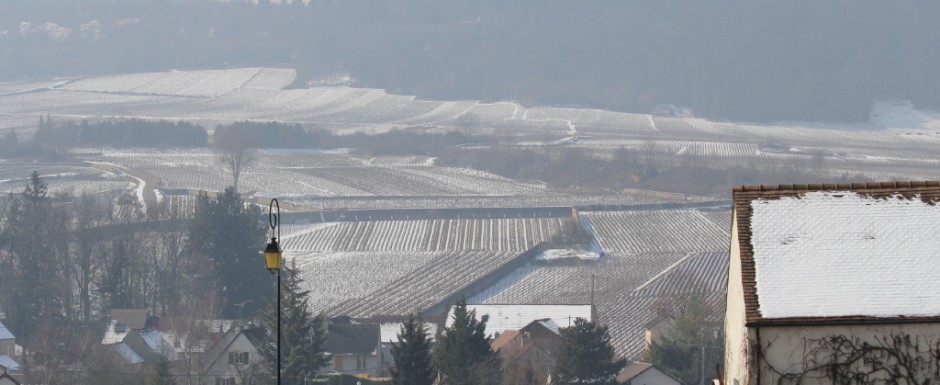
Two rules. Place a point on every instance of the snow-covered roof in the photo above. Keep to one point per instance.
(114, 334)
(156, 341)
(5, 333)
(550, 325)
(9, 363)
(128, 354)
(515, 317)
(853, 252)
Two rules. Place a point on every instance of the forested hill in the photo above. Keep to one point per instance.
(731, 59)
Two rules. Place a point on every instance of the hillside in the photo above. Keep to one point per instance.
(732, 59)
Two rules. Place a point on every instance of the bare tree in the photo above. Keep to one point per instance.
(235, 146)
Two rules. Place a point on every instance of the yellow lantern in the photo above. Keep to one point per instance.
(272, 256)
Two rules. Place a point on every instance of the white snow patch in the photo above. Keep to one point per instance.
(112, 336)
(830, 254)
(558, 254)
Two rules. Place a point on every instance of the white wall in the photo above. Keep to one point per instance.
(221, 366)
(784, 347)
(736, 337)
(373, 364)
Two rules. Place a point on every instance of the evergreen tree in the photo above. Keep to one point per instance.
(464, 347)
(162, 374)
(412, 354)
(37, 231)
(692, 338)
(586, 356)
(228, 233)
(303, 335)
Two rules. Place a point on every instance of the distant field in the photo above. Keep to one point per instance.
(899, 145)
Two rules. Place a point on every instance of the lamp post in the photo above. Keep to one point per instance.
(272, 260)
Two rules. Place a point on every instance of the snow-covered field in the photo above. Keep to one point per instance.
(896, 135)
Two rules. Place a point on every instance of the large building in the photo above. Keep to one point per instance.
(834, 284)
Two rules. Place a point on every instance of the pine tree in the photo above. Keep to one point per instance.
(464, 348)
(586, 356)
(412, 354)
(162, 374)
(303, 335)
(692, 338)
(229, 235)
(36, 233)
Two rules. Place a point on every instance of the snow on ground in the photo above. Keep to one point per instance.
(830, 254)
(559, 254)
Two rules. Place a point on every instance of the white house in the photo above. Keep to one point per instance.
(134, 336)
(833, 282)
(354, 348)
(235, 358)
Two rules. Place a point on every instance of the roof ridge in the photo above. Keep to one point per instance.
(836, 186)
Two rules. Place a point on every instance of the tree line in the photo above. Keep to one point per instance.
(67, 260)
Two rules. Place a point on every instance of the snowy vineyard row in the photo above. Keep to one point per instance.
(656, 231)
(362, 284)
(438, 235)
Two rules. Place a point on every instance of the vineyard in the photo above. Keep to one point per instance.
(439, 235)
(368, 267)
(669, 231)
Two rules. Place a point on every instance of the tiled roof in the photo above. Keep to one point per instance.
(503, 339)
(352, 338)
(133, 318)
(834, 253)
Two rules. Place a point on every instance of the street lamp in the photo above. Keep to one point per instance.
(272, 260)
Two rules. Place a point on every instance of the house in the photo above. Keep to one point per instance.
(6, 379)
(354, 348)
(833, 282)
(535, 344)
(390, 326)
(639, 373)
(235, 359)
(659, 329)
(134, 336)
(503, 317)
(8, 350)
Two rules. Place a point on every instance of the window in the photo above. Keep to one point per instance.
(225, 381)
(238, 358)
(361, 362)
